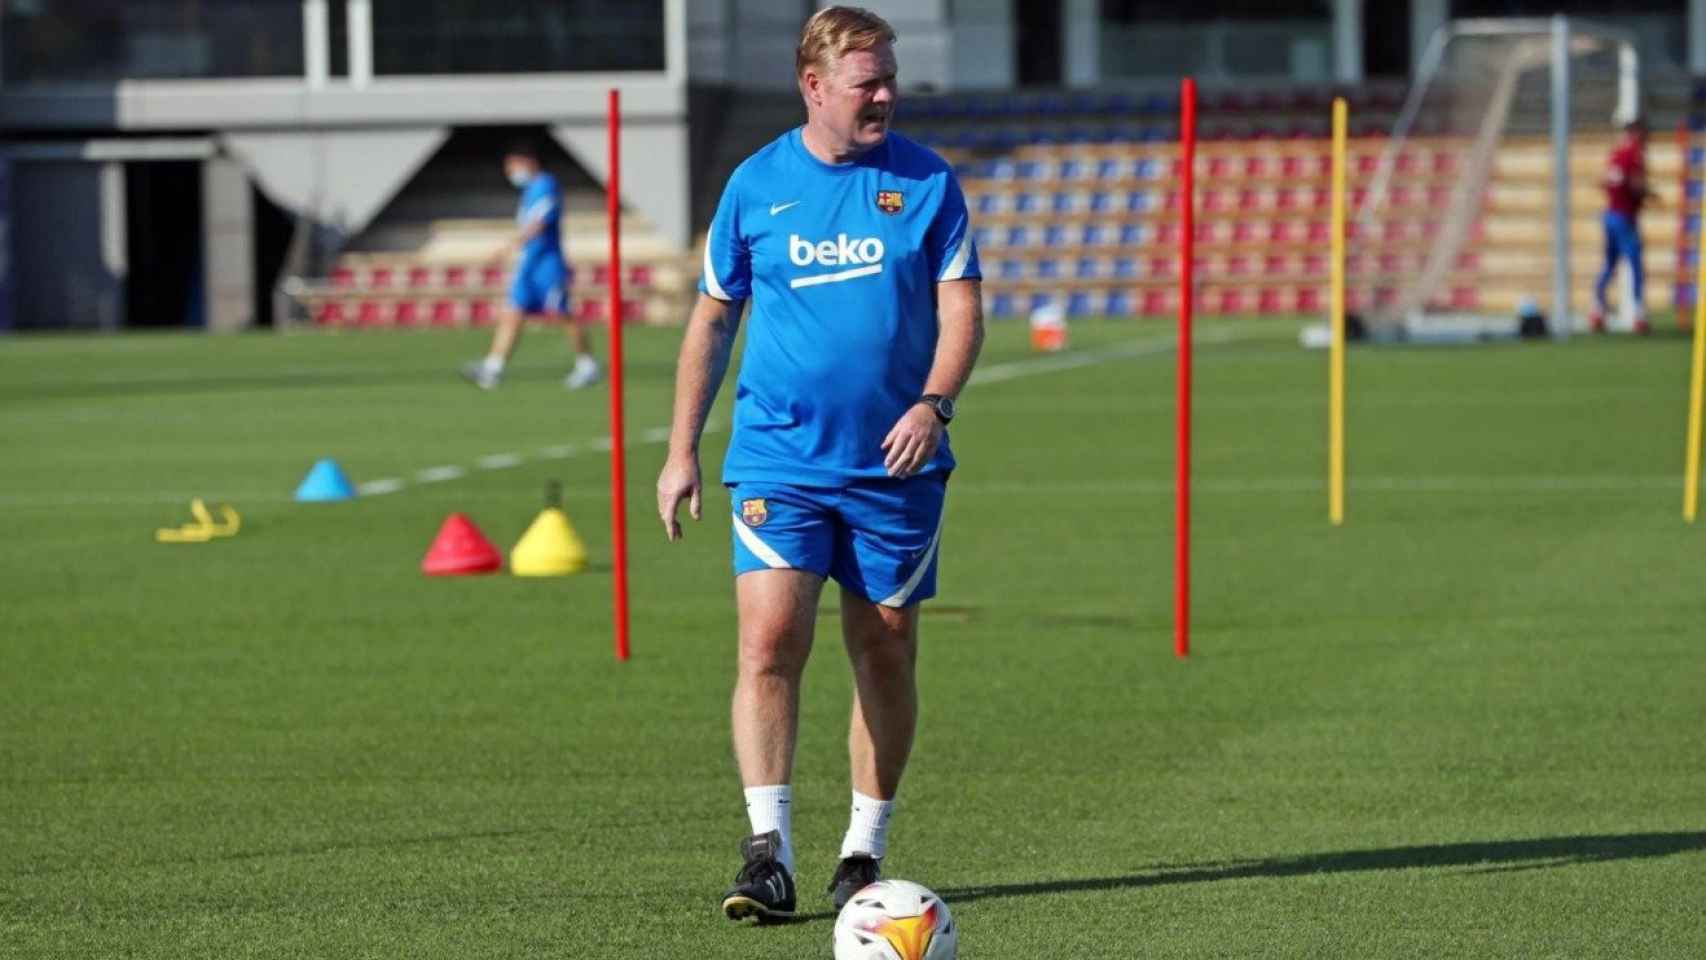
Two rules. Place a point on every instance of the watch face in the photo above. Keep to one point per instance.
(945, 407)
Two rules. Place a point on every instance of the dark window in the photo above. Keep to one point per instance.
(101, 41)
(516, 36)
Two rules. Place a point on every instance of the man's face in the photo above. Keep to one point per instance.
(855, 99)
(518, 169)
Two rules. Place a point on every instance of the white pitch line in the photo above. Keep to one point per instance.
(441, 474)
(380, 487)
(994, 373)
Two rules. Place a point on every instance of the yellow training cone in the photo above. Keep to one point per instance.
(549, 548)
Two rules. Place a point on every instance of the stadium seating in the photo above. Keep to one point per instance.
(450, 280)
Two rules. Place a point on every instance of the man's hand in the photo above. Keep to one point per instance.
(678, 481)
(912, 441)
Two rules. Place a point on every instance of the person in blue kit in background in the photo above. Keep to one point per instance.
(854, 247)
(540, 288)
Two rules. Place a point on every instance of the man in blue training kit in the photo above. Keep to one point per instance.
(854, 246)
(540, 288)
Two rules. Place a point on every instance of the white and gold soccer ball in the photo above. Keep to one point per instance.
(896, 920)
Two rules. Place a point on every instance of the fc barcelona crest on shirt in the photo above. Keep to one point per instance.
(754, 512)
(890, 201)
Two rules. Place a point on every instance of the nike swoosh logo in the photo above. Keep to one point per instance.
(776, 208)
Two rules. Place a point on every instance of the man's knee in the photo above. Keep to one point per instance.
(885, 642)
(774, 647)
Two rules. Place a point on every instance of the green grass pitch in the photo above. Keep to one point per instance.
(1467, 724)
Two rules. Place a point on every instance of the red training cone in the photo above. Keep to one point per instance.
(460, 548)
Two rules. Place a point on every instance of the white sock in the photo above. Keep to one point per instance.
(772, 808)
(585, 361)
(492, 366)
(868, 827)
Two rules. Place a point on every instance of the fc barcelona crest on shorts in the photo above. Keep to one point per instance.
(890, 201)
(754, 512)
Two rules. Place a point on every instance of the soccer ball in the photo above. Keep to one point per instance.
(896, 920)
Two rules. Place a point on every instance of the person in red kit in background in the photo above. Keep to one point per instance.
(1625, 184)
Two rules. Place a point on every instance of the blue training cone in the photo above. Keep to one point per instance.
(325, 482)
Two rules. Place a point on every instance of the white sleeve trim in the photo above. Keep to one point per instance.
(956, 268)
(763, 551)
(540, 208)
(712, 287)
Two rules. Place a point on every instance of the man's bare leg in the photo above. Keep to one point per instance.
(778, 613)
(488, 372)
(882, 643)
(586, 370)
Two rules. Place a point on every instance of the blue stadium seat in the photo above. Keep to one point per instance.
(983, 236)
(1028, 170)
(1040, 300)
(1108, 168)
(1131, 234)
(1070, 168)
(1125, 267)
(989, 203)
(1137, 201)
(1087, 268)
(1160, 103)
(1101, 201)
(1018, 236)
(1027, 202)
(1062, 202)
(1148, 168)
(1048, 268)
(1054, 235)
(1692, 190)
(1079, 304)
(1001, 305)
(1119, 304)
(1011, 269)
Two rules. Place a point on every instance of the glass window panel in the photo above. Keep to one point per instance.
(101, 41)
(516, 36)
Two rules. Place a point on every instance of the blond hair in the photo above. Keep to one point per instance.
(834, 32)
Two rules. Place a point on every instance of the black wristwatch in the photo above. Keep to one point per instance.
(943, 406)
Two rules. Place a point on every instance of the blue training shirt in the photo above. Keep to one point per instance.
(541, 199)
(841, 263)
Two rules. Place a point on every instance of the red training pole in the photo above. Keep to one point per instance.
(618, 437)
(1187, 297)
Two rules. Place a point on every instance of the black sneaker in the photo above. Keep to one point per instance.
(763, 889)
(853, 874)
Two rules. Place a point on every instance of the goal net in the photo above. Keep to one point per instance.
(1485, 199)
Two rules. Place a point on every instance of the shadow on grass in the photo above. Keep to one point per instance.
(1496, 856)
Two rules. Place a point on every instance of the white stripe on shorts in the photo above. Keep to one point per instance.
(899, 597)
(759, 548)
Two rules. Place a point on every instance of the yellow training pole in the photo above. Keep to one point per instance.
(1691, 490)
(1336, 416)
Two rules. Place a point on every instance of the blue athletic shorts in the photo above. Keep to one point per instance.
(877, 538)
(542, 288)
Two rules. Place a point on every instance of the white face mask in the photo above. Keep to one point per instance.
(518, 178)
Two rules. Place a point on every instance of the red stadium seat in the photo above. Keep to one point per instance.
(1309, 299)
(590, 310)
(381, 278)
(330, 314)
(1464, 298)
(343, 277)
(420, 276)
(492, 275)
(456, 276)
(482, 313)
(371, 313)
(601, 274)
(1273, 300)
(444, 313)
(406, 313)
(641, 275)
